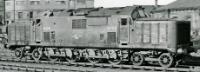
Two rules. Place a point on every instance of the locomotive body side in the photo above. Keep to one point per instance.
(118, 31)
(160, 35)
(84, 32)
(19, 33)
(57, 31)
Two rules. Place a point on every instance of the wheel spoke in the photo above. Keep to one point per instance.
(92, 55)
(94, 60)
(166, 60)
(50, 53)
(19, 53)
(52, 58)
(137, 59)
(74, 56)
(37, 54)
(117, 59)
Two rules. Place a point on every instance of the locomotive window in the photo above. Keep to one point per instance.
(51, 14)
(53, 35)
(79, 24)
(20, 15)
(141, 13)
(38, 21)
(34, 2)
(61, 2)
(1, 31)
(123, 21)
(31, 15)
(101, 36)
(81, 1)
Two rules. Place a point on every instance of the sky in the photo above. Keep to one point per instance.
(122, 3)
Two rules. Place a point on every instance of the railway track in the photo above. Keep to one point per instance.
(60, 66)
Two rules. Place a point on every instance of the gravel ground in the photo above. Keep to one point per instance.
(6, 53)
(10, 71)
(50, 68)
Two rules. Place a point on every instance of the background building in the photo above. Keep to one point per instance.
(2, 11)
(188, 10)
(2, 17)
(17, 10)
(2, 23)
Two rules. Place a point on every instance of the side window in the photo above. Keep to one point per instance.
(31, 14)
(1, 31)
(141, 13)
(61, 2)
(81, 1)
(20, 15)
(123, 21)
(79, 24)
(34, 2)
(38, 21)
(101, 36)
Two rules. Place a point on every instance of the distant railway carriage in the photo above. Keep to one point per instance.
(115, 34)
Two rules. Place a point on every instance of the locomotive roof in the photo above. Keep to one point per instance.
(128, 10)
(112, 11)
(181, 5)
(157, 19)
(153, 18)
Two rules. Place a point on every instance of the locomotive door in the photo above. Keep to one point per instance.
(124, 31)
(37, 31)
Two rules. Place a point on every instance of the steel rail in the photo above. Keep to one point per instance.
(90, 66)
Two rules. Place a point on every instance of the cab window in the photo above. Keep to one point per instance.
(123, 21)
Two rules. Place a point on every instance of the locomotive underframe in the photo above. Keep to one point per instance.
(135, 56)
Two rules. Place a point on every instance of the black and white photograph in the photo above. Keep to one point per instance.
(99, 35)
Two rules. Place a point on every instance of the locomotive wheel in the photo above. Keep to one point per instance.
(19, 53)
(137, 59)
(94, 60)
(72, 59)
(75, 56)
(37, 54)
(52, 58)
(114, 57)
(166, 60)
(92, 56)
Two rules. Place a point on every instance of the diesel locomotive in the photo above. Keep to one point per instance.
(92, 34)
